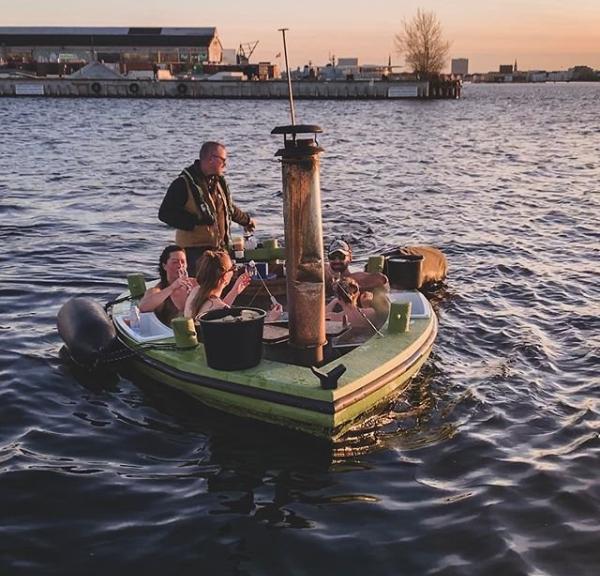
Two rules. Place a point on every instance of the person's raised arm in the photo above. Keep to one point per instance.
(240, 285)
(369, 281)
(154, 297)
(243, 219)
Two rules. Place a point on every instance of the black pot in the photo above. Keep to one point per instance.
(405, 271)
(234, 344)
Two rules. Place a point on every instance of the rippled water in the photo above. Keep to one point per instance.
(489, 465)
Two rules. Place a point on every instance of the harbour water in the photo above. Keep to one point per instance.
(489, 465)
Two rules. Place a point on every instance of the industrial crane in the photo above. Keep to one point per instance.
(245, 51)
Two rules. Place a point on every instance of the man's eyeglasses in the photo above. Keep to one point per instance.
(223, 160)
(336, 256)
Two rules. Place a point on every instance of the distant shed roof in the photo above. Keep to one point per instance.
(94, 36)
(96, 71)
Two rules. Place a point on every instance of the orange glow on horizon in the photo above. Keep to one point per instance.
(540, 34)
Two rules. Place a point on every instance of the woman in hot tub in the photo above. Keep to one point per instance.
(167, 298)
(215, 270)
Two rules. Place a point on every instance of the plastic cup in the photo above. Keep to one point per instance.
(137, 285)
(399, 317)
(238, 244)
(375, 264)
(271, 243)
(184, 332)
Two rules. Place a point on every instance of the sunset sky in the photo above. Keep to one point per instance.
(540, 34)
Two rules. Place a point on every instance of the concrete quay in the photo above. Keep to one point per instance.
(272, 89)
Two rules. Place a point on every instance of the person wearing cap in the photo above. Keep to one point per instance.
(199, 206)
(339, 255)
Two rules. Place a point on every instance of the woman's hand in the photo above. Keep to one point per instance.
(183, 283)
(274, 313)
(241, 283)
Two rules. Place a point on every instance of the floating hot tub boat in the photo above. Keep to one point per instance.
(309, 375)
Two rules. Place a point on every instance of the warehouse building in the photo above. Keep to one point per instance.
(51, 50)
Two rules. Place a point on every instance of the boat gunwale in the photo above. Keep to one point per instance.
(371, 387)
(330, 407)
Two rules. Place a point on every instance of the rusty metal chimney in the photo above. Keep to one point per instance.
(303, 241)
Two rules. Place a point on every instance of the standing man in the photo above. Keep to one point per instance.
(198, 204)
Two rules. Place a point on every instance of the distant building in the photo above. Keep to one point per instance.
(583, 73)
(347, 62)
(537, 76)
(560, 76)
(348, 68)
(229, 56)
(506, 69)
(42, 48)
(460, 66)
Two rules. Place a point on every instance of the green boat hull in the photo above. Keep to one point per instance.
(289, 395)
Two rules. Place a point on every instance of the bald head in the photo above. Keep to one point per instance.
(213, 158)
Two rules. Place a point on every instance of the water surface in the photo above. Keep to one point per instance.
(488, 465)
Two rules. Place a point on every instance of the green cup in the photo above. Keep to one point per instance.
(375, 264)
(399, 317)
(185, 332)
(271, 243)
(137, 285)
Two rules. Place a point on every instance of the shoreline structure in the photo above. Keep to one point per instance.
(164, 62)
(229, 89)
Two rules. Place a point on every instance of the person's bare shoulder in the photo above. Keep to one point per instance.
(369, 280)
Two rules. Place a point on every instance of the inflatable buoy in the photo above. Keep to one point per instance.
(134, 88)
(96, 88)
(182, 89)
(86, 330)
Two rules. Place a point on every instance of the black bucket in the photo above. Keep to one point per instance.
(405, 271)
(233, 344)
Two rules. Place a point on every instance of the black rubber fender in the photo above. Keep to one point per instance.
(96, 87)
(86, 329)
(134, 88)
(182, 89)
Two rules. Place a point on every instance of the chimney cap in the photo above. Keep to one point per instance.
(294, 129)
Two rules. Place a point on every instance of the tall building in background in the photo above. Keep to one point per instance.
(460, 66)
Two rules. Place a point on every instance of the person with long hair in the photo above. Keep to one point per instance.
(346, 303)
(167, 299)
(215, 271)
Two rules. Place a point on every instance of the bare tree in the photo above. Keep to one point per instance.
(422, 41)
